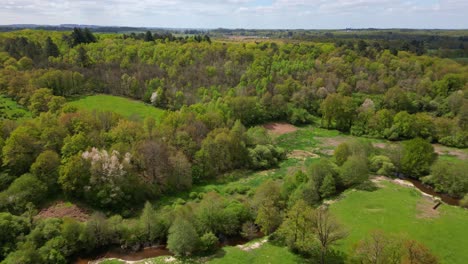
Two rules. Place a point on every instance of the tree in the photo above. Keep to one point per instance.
(417, 253)
(21, 149)
(338, 109)
(328, 187)
(183, 238)
(249, 230)
(149, 223)
(341, 153)
(11, 227)
(418, 155)
(354, 171)
(296, 228)
(50, 49)
(45, 168)
(148, 36)
(23, 190)
(74, 176)
(449, 177)
(208, 242)
(379, 248)
(268, 217)
(326, 230)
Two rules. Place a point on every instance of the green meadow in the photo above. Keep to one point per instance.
(9, 109)
(126, 107)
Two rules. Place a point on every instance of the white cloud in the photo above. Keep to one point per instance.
(241, 13)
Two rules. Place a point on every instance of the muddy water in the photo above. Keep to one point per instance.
(426, 189)
(153, 252)
(150, 252)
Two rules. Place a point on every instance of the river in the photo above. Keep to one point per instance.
(429, 190)
(152, 252)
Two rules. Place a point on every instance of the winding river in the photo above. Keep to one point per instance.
(150, 252)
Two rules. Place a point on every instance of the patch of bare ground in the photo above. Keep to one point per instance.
(252, 246)
(60, 209)
(425, 208)
(280, 128)
(439, 149)
(443, 150)
(302, 155)
(377, 180)
(328, 144)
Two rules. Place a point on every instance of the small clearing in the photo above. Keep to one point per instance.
(61, 209)
(425, 209)
(252, 246)
(443, 150)
(280, 128)
(302, 155)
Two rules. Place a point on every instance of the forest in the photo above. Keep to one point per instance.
(203, 101)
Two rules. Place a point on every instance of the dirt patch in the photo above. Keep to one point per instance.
(328, 144)
(302, 155)
(378, 181)
(280, 128)
(61, 209)
(424, 208)
(253, 245)
(443, 150)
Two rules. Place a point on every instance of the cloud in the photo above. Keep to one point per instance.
(241, 13)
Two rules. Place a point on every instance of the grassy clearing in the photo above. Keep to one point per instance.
(267, 253)
(393, 210)
(126, 107)
(9, 109)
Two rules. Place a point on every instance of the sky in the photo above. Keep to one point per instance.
(259, 14)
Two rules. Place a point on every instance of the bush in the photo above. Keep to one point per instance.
(265, 156)
(464, 201)
(208, 242)
(23, 190)
(382, 165)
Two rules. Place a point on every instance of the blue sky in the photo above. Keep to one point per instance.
(292, 14)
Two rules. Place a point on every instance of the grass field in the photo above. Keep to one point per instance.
(9, 109)
(126, 107)
(394, 209)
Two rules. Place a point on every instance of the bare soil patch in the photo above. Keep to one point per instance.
(424, 208)
(61, 209)
(280, 128)
(302, 154)
(443, 150)
(252, 246)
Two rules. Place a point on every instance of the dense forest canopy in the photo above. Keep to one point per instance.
(215, 93)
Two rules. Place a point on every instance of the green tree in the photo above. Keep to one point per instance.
(149, 223)
(208, 242)
(45, 168)
(183, 238)
(418, 156)
(296, 228)
(328, 187)
(338, 109)
(341, 153)
(11, 227)
(354, 171)
(50, 48)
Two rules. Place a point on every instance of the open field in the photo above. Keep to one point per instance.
(9, 109)
(403, 210)
(120, 105)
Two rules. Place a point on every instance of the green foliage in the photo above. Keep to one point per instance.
(45, 168)
(382, 165)
(328, 187)
(182, 239)
(11, 227)
(341, 153)
(208, 242)
(354, 171)
(265, 156)
(449, 177)
(27, 188)
(418, 155)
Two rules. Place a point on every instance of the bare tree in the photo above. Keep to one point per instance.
(327, 231)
